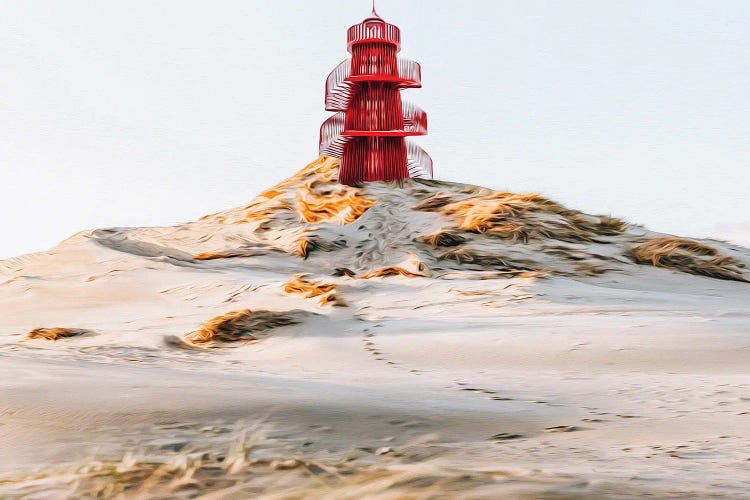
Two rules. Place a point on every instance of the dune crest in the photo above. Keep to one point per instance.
(447, 226)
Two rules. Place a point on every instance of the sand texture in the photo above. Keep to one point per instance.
(420, 339)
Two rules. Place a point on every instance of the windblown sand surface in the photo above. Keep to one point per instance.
(411, 340)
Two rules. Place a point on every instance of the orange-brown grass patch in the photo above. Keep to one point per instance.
(412, 267)
(344, 271)
(688, 256)
(253, 465)
(484, 260)
(442, 239)
(306, 244)
(387, 271)
(520, 217)
(211, 256)
(326, 291)
(242, 252)
(241, 326)
(434, 202)
(271, 193)
(610, 226)
(319, 201)
(324, 169)
(55, 333)
(264, 209)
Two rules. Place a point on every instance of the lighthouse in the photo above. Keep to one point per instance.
(371, 123)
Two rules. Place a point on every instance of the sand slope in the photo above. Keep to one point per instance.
(416, 338)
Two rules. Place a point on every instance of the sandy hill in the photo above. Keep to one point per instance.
(435, 333)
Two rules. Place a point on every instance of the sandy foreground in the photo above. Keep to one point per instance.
(438, 377)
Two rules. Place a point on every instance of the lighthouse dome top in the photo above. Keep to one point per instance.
(374, 30)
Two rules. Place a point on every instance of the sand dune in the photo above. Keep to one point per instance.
(485, 343)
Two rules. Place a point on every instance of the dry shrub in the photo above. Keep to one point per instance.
(243, 325)
(319, 201)
(442, 239)
(55, 333)
(688, 256)
(310, 289)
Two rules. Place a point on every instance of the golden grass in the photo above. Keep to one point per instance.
(240, 252)
(328, 292)
(263, 207)
(412, 267)
(307, 244)
(520, 217)
(246, 469)
(324, 202)
(304, 247)
(211, 256)
(344, 271)
(387, 271)
(688, 256)
(466, 256)
(442, 239)
(240, 326)
(323, 170)
(55, 333)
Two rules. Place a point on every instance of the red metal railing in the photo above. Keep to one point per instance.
(415, 119)
(373, 30)
(420, 163)
(340, 83)
(371, 122)
(331, 139)
(338, 89)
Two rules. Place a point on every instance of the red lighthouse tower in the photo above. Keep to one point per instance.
(369, 130)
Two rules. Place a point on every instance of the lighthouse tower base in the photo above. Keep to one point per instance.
(368, 159)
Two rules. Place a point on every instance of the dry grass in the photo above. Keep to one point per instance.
(319, 201)
(267, 204)
(520, 217)
(387, 271)
(468, 257)
(308, 243)
(241, 252)
(327, 292)
(246, 469)
(688, 256)
(412, 267)
(241, 326)
(55, 333)
(442, 239)
(344, 271)
(321, 172)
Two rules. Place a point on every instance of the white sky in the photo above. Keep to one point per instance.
(155, 112)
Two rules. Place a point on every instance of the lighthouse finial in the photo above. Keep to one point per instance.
(374, 12)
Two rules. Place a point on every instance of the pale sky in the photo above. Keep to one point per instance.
(133, 113)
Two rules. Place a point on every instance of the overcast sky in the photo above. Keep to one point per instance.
(132, 113)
